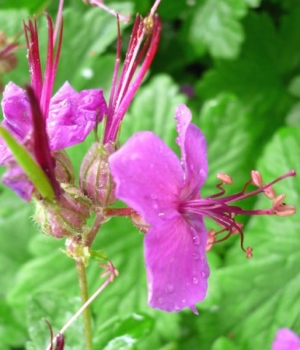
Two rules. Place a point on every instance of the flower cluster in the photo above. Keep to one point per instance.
(162, 191)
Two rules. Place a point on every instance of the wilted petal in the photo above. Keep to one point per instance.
(73, 115)
(177, 269)
(193, 151)
(148, 176)
(286, 340)
(15, 179)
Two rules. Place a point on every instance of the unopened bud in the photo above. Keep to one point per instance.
(226, 179)
(66, 216)
(95, 178)
(256, 178)
(64, 171)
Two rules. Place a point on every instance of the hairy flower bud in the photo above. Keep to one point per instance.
(95, 178)
(64, 171)
(65, 217)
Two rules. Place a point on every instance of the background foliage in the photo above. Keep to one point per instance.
(239, 60)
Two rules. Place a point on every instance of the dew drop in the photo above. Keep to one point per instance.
(161, 214)
(177, 308)
(183, 301)
(169, 288)
(160, 300)
(195, 280)
(203, 274)
(196, 240)
(196, 256)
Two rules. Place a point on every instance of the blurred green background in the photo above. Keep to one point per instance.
(236, 64)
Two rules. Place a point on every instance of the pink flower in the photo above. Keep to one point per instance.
(69, 116)
(164, 190)
(286, 340)
(151, 179)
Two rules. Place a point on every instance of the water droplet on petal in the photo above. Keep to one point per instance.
(196, 240)
(203, 274)
(195, 280)
(161, 214)
(196, 256)
(169, 288)
(160, 300)
(183, 301)
(177, 308)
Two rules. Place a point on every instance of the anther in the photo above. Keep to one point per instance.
(234, 230)
(270, 192)
(249, 252)
(226, 179)
(256, 178)
(285, 210)
(278, 201)
(148, 25)
(210, 240)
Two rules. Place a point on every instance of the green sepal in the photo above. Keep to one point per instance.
(29, 165)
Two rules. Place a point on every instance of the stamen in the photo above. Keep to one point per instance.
(277, 202)
(249, 252)
(285, 210)
(219, 208)
(226, 179)
(256, 178)
(270, 192)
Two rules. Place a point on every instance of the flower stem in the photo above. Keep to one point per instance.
(84, 298)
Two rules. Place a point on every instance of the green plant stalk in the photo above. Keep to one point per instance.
(84, 298)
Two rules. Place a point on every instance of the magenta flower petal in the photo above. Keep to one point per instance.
(16, 110)
(286, 340)
(148, 177)
(73, 115)
(16, 180)
(193, 151)
(176, 264)
(17, 116)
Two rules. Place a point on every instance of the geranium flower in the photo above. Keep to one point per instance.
(286, 340)
(152, 180)
(69, 115)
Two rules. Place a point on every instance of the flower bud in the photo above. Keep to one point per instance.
(64, 171)
(66, 216)
(95, 178)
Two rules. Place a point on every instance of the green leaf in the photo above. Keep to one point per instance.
(216, 24)
(257, 77)
(127, 332)
(223, 344)
(29, 165)
(33, 6)
(262, 294)
(57, 308)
